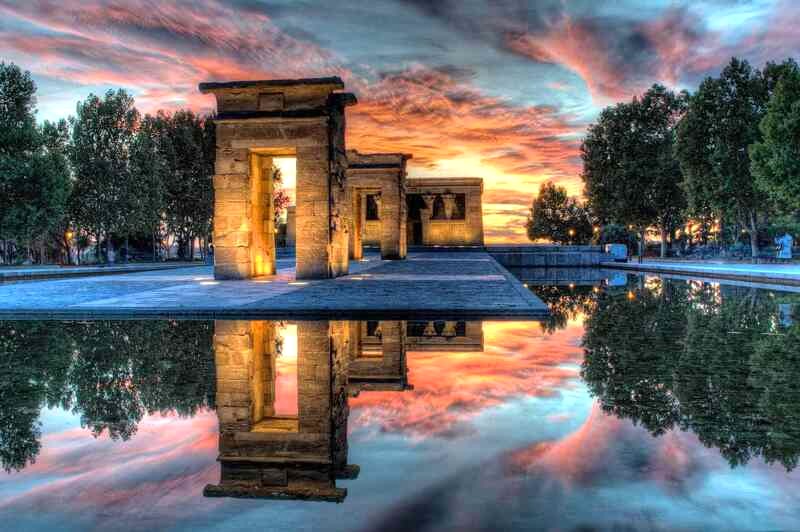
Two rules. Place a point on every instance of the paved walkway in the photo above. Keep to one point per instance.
(28, 273)
(465, 284)
(785, 274)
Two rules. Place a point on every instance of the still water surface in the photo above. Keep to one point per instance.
(642, 403)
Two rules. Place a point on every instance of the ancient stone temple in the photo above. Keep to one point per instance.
(445, 211)
(257, 121)
(376, 183)
(268, 454)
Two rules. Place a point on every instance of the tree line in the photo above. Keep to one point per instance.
(107, 177)
(723, 162)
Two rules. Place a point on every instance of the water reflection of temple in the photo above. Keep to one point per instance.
(266, 453)
(282, 396)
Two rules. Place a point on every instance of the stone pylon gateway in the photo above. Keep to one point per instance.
(257, 121)
(376, 185)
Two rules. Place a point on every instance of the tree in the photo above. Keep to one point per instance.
(280, 200)
(630, 174)
(614, 234)
(776, 158)
(34, 177)
(103, 199)
(721, 122)
(558, 218)
(188, 186)
(149, 174)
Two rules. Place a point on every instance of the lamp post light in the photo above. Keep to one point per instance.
(68, 236)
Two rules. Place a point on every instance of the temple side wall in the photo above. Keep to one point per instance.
(450, 232)
(291, 227)
(382, 175)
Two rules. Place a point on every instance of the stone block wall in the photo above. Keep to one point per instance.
(384, 175)
(263, 119)
(450, 232)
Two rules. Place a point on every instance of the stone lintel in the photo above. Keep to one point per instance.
(358, 160)
(331, 83)
(443, 182)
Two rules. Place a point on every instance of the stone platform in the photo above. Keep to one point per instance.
(426, 285)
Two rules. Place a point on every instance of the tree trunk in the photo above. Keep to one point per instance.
(108, 248)
(664, 235)
(753, 236)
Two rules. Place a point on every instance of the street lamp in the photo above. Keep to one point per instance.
(68, 235)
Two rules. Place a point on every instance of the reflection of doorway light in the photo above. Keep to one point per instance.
(286, 373)
(288, 168)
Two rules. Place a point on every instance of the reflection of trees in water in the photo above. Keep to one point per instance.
(110, 373)
(713, 360)
(565, 303)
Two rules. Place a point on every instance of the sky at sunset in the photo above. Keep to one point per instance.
(499, 89)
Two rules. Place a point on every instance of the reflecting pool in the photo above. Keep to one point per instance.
(641, 403)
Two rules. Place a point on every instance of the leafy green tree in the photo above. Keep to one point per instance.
(776, 158)
(629, 171)
(149, 174)
(34, 177)
(614, 234)
(558, 218)
(104, 198)
(721, 122)
(189, 188)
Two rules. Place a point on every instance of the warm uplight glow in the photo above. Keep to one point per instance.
(571, 232)
(69, 235)
(631, 295)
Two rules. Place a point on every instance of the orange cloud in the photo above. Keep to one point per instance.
(574, 45)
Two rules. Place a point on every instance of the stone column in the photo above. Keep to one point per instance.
(356, 245)
(474, 218)
(262, 243)
(449, 205)
(232, 230)
(389, 213)
(291, 226)
(425, 216)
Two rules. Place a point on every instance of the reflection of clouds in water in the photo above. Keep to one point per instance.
(451, 388)
(109, 483)
(607, 473)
